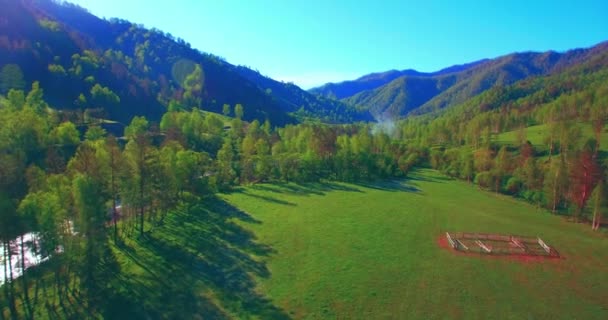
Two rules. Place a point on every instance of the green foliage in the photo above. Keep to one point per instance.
(50, 25)
(95, 133)
(34, 99)
(103, 95)
(65, 134)
(11, 77)
(485, 179)
(81, 101)
(57, 69)
(193, 87)
(16, 99)
(226, 110)
(238, 111)
(138, 127)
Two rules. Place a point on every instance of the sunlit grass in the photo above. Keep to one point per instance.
(354, 251)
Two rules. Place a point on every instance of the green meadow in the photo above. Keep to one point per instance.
(371, 251)
(536, 135)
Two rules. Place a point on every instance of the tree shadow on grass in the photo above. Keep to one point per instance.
(426, 178)
(392, 186)
(199, 265)
(305, 189)
(266, 198)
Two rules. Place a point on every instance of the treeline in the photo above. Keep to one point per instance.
(78, 189)
(565, 173)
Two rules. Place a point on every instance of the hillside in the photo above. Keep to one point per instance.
(372, 81)
(138, 71)
(399, 94)
(535, 139)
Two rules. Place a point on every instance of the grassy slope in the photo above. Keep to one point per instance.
(536, 134)
(351, 251)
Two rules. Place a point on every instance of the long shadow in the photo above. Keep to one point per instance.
(267, 198)
(418, 177)
(199, 264)
(391, 185)
(305, 189)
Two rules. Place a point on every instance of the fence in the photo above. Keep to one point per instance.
(491, 243)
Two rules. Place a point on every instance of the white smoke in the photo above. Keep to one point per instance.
(385, 124)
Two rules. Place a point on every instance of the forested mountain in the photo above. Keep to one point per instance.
(371, 81)
(398, 94)
(121, 69)
(488, 139)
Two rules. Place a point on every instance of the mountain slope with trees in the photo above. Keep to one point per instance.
(395, 94)
(372, 81)
(87, 63)
(564, 171)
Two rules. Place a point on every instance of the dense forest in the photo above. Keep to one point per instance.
(81, 183)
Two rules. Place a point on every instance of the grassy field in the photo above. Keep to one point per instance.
(371, 251)
(536, 135)
(347, 251)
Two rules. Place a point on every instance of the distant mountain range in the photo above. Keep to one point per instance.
(70, 51)
(399, 93)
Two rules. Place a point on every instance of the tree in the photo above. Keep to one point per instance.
(66, 134)
(584, 175)
(16, 99)
(86, 161)
(226, 173)
(599, 204)
(468, 166)
(484, 179)
(238, 111)
(11, 77)
(81, 101)
(556, 182)
(552, 128)
(95, 133)
(8, 231)
(34, 99)
(103, 95)
(193, 86)
(115, 164)
(502, 166)
(138, 127)
(483, 159)
(137, 156)
(532, 175)
(598, 119)
(89, 205)
(262, 163)
(226, 110)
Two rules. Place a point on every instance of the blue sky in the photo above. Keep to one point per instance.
(318, 41)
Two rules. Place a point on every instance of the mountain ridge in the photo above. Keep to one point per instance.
(396, 94)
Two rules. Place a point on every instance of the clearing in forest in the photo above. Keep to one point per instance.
(357, 251)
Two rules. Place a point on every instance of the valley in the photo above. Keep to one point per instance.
(143, 177)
